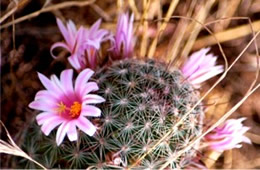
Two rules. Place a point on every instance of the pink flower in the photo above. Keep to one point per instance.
(65, 104)
(94, 37)
(228, 136)
(201, 67)
(73, 39)
(123, 42)
(82, 44)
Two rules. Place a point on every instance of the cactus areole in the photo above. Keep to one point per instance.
(144, 100)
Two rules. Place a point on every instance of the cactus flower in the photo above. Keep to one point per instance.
(228, 136)
(73, 41)
(82, 44)
(94, 37)
(201, 67)
(123, 40)
(67, 105)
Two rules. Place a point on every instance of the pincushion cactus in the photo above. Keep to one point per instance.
(143, 102)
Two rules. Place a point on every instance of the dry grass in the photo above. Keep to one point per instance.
(12, 149)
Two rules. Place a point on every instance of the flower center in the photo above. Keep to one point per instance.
(75, 109)
(62, 107)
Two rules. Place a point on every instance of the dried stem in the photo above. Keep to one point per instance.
(12, 149)
(162, 28)
(144, 41)
(227, 35)
(18, 6)
(48, 9)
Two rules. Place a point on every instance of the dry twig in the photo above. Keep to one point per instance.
(48, 9)
(162, 28)
(227, 35)
(12, 149)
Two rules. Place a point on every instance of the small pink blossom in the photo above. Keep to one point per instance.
(123, 41)
(83, 44)
(67, 105)
(73, 39)
(94, 37)
(201, 67)
(228, 136)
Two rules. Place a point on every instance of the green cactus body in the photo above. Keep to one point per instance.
(144, 101)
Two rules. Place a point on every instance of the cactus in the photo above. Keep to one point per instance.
(143, 101)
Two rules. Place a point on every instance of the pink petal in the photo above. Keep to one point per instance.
(44, 106)
(54, 79)
(194, 60)
(209, 61)
(215, 71)
(66, 80)
(88, 110)
(62, 130)
(72, 27)
(46, 95)
(222, 145)
(79, 41)
(68, 94)
(129, 40)
(73, 60)
(89, 87)
(82, 79)
(93, 43)
(50, 124)
(72, 132)
(49, 85)
(92, 98)
(229, 135)
(64, 32)
(86, 126)
(72, 31)
(246, 140)
(45, 116)
(59, 44)
(95, 27)
(195, 66)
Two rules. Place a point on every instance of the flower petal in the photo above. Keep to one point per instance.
(215, 71)
(64, 32)
(86, 126)
(72, 132)
(92, 98)
(73, 60)
(62, 130)
(123, 40)
(49, 85)
(66, 81)
(95, 26)
(89, 87)
(88, 110)
(228, 136)
(45, 116)
(82, 79)
(42, 105)
(193, 60)
(50, 124)
(46, 95)
(59, 44)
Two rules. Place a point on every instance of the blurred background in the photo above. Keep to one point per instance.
(165, 30)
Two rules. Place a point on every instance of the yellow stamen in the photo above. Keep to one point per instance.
(61, 108)
(75, 109)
